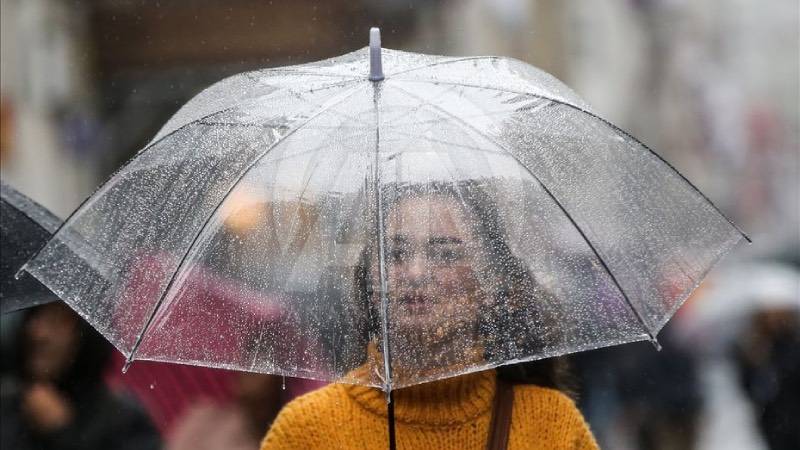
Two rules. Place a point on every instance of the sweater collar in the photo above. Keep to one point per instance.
(450, 401)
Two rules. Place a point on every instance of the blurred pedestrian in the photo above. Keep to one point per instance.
(768, 358)
(238, 425)
(56, 398)
(659, 394)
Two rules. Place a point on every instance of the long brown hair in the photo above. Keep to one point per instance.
(509, 327)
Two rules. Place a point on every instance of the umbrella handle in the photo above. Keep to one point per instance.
(375, 64)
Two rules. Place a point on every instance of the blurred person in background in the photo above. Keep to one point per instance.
(768, 359)
(239, 425)
(55, 397)
(660, 394)
(640, 398)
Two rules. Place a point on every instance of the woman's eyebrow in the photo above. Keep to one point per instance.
(399, 238)
(444, 240)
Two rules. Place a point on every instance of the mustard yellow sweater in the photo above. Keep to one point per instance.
(448, 414)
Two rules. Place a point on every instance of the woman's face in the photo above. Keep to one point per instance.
(51, 341)
(432, 261)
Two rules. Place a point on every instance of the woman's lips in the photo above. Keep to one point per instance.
(416, 302)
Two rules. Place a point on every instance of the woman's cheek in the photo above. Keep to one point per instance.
(458, 280)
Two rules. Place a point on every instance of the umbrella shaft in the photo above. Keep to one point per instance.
(390, 418)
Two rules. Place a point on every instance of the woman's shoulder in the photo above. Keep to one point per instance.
(542, 397)
(552, 416)
(304, 422)
(320, 402)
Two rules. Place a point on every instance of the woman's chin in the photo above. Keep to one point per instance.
(415, 318)
(425, 330)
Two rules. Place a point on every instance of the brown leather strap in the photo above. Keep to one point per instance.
(501, 416)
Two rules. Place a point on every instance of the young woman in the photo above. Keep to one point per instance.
(456, 299)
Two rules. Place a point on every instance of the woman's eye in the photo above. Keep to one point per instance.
(446, 255)
(397, 255)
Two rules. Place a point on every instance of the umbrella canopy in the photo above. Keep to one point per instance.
(385, 227)
(25, 226)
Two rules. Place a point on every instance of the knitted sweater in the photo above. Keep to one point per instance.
(449, 414)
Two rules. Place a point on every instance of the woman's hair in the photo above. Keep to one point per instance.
(509, 327)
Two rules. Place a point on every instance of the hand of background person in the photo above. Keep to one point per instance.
(46, 408)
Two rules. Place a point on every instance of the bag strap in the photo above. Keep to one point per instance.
(501, 416)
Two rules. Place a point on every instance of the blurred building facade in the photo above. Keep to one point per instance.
(44, 76)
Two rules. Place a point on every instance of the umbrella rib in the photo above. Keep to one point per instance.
(560, 206)
(609, 124)
(253, 75)
(440, 63)
(130, 357)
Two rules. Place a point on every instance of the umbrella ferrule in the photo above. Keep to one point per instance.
(656, 344)
(375, 64)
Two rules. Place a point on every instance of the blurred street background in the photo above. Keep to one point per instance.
(712, 86)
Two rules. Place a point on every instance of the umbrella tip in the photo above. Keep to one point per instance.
(18, 273)
(127, 365)
(375, 65)
(656, 344)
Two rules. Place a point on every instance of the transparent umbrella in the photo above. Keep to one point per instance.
(384, 218)
(25, 226)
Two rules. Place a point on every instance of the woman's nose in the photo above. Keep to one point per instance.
(416, 269)
(38, 329)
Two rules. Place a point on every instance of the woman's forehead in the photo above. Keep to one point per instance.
(426, 216)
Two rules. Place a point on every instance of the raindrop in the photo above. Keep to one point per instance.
(283, 383)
